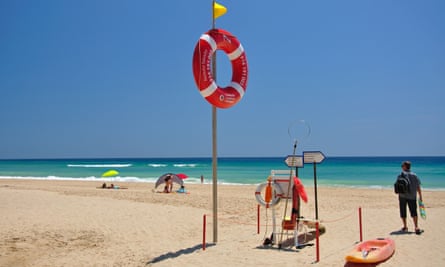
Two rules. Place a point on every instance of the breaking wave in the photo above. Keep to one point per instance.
(99, 165)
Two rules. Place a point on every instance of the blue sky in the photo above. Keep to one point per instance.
(108, 78)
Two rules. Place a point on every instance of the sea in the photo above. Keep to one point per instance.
(363, 172)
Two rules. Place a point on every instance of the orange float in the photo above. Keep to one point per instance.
(271, 196)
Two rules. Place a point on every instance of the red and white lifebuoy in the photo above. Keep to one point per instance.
(271, 199)
(218, 39)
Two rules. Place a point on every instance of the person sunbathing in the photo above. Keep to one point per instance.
(181, 190)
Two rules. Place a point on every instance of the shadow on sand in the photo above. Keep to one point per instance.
(288, 244)
(400, 232)
(351, 264)
(171, 255)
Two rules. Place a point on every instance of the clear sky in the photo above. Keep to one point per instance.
(109, 78)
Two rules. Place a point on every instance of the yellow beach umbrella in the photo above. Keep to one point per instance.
(110, 173)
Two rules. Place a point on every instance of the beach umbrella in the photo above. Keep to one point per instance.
(174, 177)
(182, 176)
(110, 173)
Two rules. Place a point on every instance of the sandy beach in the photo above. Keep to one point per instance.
(73, 223)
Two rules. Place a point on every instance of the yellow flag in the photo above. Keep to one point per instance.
(218, 10)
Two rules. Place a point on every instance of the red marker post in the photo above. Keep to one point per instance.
(360, 223)
(258, 219)
(204, 232)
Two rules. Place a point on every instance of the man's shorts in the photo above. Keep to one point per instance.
(412, 205)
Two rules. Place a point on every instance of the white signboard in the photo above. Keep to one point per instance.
(294, 161)
(313, 156)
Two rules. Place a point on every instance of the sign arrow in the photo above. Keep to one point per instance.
(313, 156)
(294, 161)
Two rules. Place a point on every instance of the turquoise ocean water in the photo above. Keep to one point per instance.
(374, 172)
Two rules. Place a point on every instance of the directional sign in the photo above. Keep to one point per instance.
(294, 161)
(313, 156)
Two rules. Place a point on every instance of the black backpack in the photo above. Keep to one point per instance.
(402, 184)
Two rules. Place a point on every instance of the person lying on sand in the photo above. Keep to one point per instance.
(112, 186)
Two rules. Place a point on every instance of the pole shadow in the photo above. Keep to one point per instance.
(171, 255)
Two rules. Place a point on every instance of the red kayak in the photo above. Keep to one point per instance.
(372, 251)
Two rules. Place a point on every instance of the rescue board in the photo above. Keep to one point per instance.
(372, 251)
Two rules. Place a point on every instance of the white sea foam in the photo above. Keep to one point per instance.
(90, 178)
(183, 165)
(159, 165)
(99, 165)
